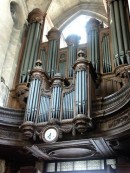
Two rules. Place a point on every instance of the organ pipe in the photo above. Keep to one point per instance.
(32, 106)
(43, 58)
(114, 36)
(119, 32)
(53, 37)
(81, 89)
(56, 97)
(68, 105)
(36, 20)
(106, 53)
(83, 81)
(72, 42)
(93, 43)
(118, 22)
(44, 109)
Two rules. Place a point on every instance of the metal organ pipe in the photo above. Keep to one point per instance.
(36, 53)
(103, 55)
(106, 53)
(34, 102)
(82, 86)
(68, 105)
(114, 35)
(35, 19)
(92, 27)
(119, 30)
(53, 38)
(43, 58)
(81, 92)
(22, 78)
(34, 94)
(33, 46)
(109, 55)
(56, 97)
(72, 42)
(24, 69)
(92, 53)
(44, 109)
(81, 89)
(125, 31)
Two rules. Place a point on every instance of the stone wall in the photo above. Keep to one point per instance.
(11, 28)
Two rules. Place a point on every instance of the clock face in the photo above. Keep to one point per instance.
(50, 134)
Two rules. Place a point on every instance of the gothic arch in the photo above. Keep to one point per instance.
(62, 21)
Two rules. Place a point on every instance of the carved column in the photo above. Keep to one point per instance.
(72, 42)
(33, 101)
(120, 34)
(54, 41)
(36, 20)
(92, 27)
(83, 93)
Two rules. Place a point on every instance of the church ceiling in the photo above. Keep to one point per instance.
(62, 12)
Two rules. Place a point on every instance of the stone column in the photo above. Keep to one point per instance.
(53, 48)
(72, 42)
(36, 20)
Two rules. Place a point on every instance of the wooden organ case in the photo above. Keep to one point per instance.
(75, 96)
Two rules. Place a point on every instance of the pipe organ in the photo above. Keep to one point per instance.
(68, 105)
(66, 82)
(120, 33)
(53, 47)
(93, 27)
(72, 42)
(56, 97)
(60, 102)
(106, 53)
(81, 85)
(31, 50)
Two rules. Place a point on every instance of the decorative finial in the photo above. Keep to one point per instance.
(81, 53)
(38, 64)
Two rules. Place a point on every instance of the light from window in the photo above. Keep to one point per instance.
(51, 167)
(111, 162)
(78, 27)
(76, 166)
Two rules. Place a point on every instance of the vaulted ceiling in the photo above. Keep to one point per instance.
(63, 12)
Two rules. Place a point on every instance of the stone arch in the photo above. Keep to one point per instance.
(62, 21)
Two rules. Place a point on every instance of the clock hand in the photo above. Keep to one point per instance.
(49, 136)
